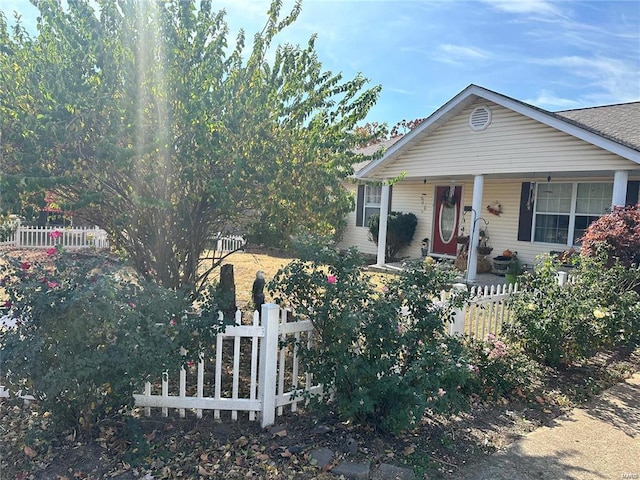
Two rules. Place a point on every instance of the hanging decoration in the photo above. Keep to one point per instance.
(532, 195)
(449, 197)
(495, 208)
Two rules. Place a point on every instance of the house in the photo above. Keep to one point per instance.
(529, 179)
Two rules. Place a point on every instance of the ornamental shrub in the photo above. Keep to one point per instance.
(502, 368)
(88, 333)
(616, 234)
(597, 309)
(401, 228)
(8, 226)
(382, 352)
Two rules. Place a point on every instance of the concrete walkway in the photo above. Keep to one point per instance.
(599, 441)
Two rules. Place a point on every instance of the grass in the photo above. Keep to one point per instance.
(246, 264)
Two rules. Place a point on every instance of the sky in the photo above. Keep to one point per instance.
(553, 54)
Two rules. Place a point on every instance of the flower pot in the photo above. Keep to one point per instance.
(484, 250)
(463, 239)
(510, 278)
(501, 265)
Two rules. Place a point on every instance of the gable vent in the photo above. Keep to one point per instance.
(480, 118)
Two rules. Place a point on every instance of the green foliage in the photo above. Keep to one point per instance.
(88, 334)
(515, 266)
(597, 309)
(616, 234)
(382, 352)
(502, 368)
(8, 226)
(400, 230)
(146, 119)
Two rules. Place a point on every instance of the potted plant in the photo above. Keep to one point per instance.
(514, 269)
(483, 244)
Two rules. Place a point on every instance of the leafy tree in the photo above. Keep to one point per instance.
(372, 133)
(616, 234)
(400, 230)
(145, 121)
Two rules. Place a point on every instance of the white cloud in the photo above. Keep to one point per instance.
(611, 79)
(401, 91)
(456, 54)
(540, 7)
(547, 99)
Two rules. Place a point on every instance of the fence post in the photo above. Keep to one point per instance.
(562, 278)
(456, 328)
(268, 363)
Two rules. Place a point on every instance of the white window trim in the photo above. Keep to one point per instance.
(366, 205)
(572, 214)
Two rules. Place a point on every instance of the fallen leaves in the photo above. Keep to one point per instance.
(30, 452)
(172, 448)
(205, 472)
(409, 450)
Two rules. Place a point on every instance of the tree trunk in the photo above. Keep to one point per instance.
(227, 292)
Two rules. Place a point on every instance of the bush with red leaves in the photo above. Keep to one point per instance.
(616, 234)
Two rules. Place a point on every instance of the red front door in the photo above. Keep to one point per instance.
(446, 218)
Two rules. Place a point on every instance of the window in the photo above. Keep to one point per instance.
(368, 203)
(563, 211)
(372, 198)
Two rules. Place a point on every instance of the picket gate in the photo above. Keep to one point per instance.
(484, 312)
(275, 378)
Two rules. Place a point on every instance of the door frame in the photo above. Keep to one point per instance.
(438, 245)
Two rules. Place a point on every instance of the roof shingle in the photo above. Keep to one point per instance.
(620, 122)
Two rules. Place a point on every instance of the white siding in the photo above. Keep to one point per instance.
(512, 144)
(356, 236)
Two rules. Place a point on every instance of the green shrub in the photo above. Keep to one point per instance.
(558, 325)
(8, 226)
(502, 368)
(400, 230)
(88, 334)
(382, 352)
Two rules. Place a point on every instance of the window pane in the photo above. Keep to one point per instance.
(582, 222)
(552, 228)
(594, 198)
(554, 197)
(373, 195)
(368, 212)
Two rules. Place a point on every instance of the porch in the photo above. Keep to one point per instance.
(481, 279)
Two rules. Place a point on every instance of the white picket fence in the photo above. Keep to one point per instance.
(44, 237)
(485, 312)
(91, 237)
(275, 375)
(229, 243)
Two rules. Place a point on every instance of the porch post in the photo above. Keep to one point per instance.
(382, 230)
(620, 179)
(476, 210)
